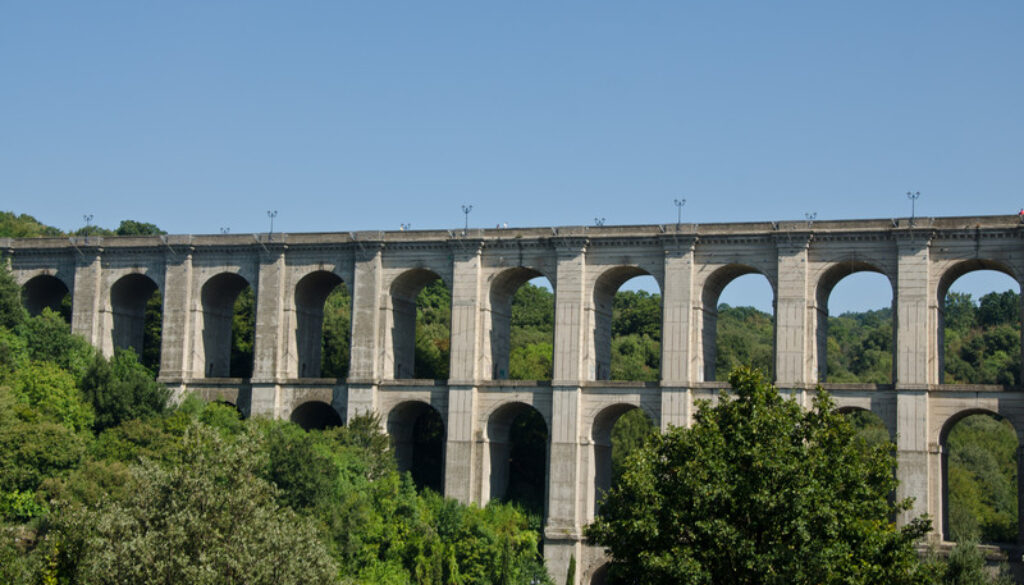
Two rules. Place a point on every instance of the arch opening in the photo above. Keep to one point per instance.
(856, 343)
(871, 429)
(627, 326)
(979, 325)
(518, 451)
(739, 322)
(418, 437)
(618, 431)
(600, 576)
(47, 292)
(316, 416)
(136, 308)
(229, 320)
(420, 325)
(980, 478)
(522, 326)
(323, 322)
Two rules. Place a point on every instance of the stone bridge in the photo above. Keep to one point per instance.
(200, 276)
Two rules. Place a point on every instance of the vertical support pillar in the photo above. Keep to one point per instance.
(88, 296)
(461, 473)
(367, 297)
(677, 363)
(562, 531)
(794, 331)
(915, 370)
(268, 336)
(176, 336)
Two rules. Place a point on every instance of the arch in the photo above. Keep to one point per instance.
(417, 432)
(605, 287)
(316, 415)
(603, 449)
(1016, 364)
(502, 291)
(130, 296)
(218, 297)
(45, 291)
(517, 437)
(870, 425)
(827, 282)
(981, 454)
(404, 292)
(600, 576)
(311, 294)
(710, 293)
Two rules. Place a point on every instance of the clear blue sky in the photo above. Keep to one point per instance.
(347, 116)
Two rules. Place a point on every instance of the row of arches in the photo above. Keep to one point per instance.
(419, 324)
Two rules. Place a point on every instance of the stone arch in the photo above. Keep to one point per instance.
(827, 282)
(218, 296)
(601, 451)
(945, 281)
(605, 287)
(502, 289)
(44, 291)
(129, 296)
(857, 410)
(311, 292)
(710, 293)
(316, 415)
(944, 447)
(507, 466)
(600, 575)
(418, 435)
(402, 327)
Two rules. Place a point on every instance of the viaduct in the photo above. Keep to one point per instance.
(200, 276)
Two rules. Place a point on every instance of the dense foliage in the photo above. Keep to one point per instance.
(757, 491)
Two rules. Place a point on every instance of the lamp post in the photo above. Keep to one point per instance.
(465, 210)
(913, 200)
(679, 211)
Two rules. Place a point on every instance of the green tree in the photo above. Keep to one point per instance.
(24, 226)
(12, 312)
(759, 491)
(131, 227)
(122, 389)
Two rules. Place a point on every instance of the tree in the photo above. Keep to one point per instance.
(759, 491)
(122, 389)
(131, 227)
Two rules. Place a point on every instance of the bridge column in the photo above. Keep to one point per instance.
(88, 297)
(461, 470)
(915, 370)
(176, 333)
(562, 531)
(794, 318)
(678, 358)
(367, 323)
(268, 336)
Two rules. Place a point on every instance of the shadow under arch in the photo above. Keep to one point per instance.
(823, 291)
(502, 290)
(311, 294)
(600, 575)
(605, 287)
(945, 281)
(712, 291)
(46, 291)
(602, 448)
(869, 424)
(948, 529)
(404, 291)
(315, 415)
(517, 437)
(129, 297)
(418, 437)
(218, 297)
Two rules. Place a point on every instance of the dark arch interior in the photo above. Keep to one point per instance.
(323, 322)
(316, 416)
(618, 431)
(855, 346)
(137, 310)
(627, 328)
(418, 436)
(600, 576)
(979, 332)
(522, 312)
(229, 319)
(736, 335)
(46, 291)
(518, 438)
(421, 333)
(979, 453)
